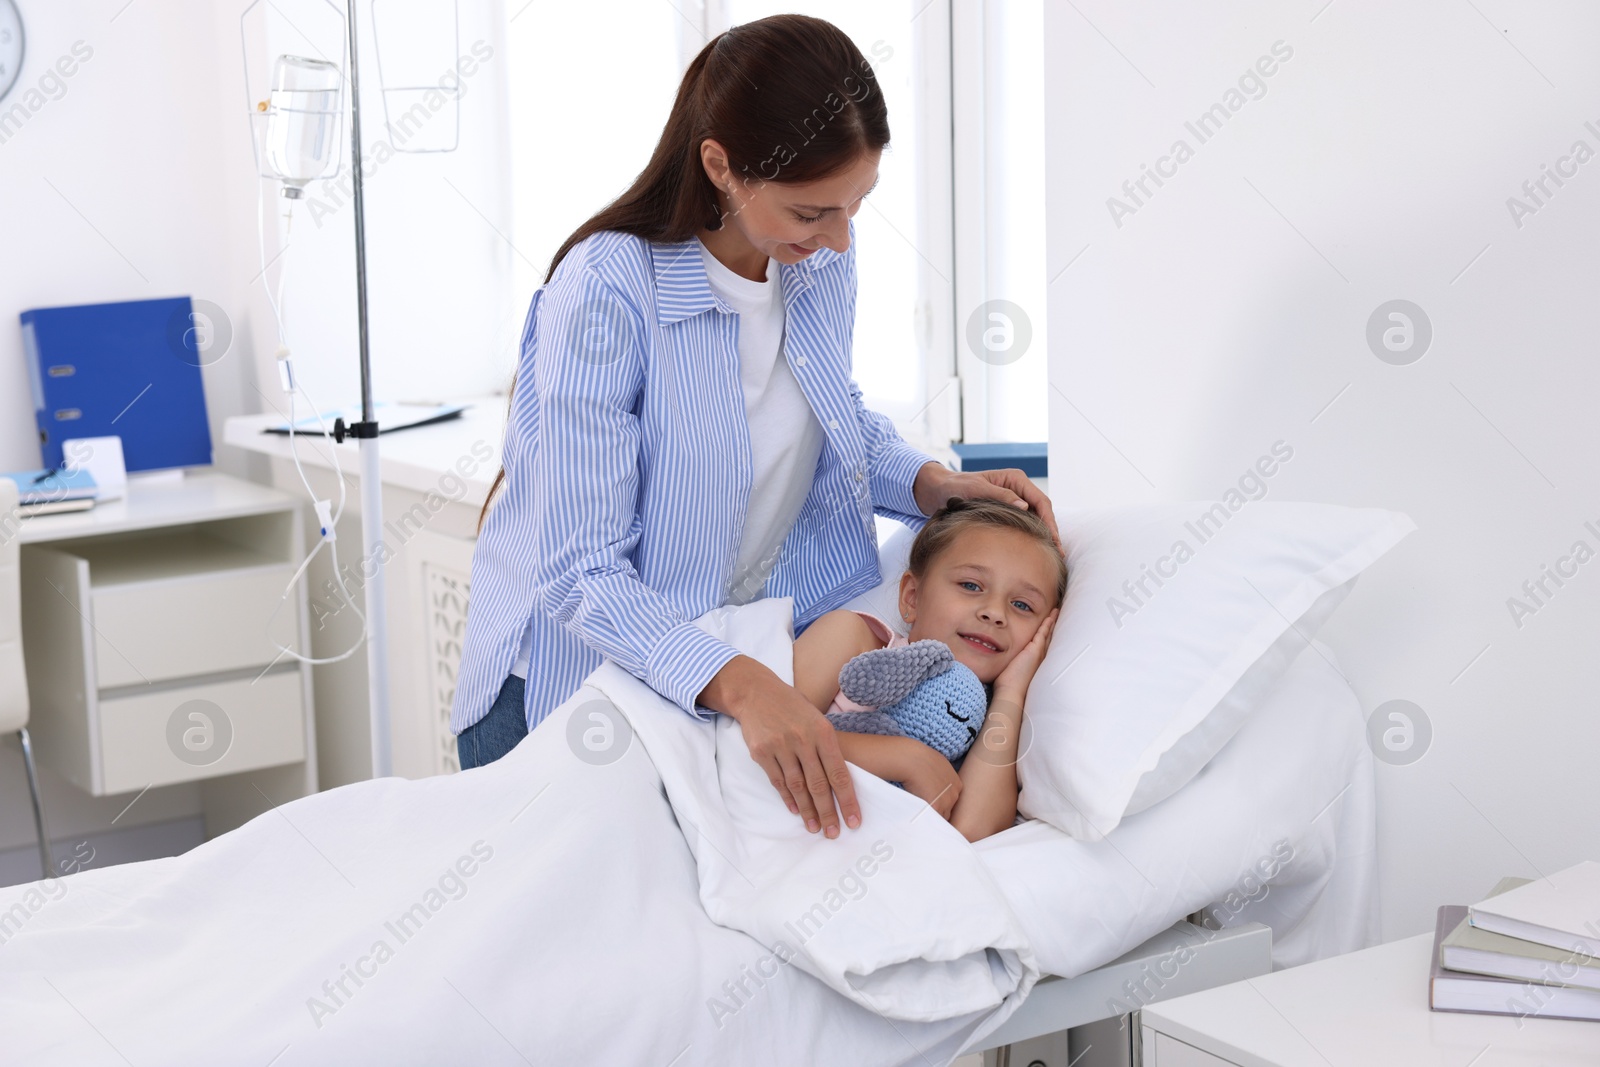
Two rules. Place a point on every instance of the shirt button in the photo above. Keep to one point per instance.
(800, 361)
(833, 424)
(860, 476)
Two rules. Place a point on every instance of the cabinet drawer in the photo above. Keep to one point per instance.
(200, 624)
(1168, 1051)
(199, 731)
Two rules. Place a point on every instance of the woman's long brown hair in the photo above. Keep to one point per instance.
(789, 98)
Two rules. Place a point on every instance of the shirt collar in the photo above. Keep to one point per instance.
(682, 290)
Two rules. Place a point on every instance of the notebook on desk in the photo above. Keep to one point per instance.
(45, 491)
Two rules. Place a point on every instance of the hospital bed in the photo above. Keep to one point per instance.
(1296, 782)
(578, 929)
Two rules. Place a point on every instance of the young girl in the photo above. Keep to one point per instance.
(986, 579)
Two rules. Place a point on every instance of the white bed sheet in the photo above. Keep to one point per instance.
(1279, 828)
(651, 902)
(584, 935)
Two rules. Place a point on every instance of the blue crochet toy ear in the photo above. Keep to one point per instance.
(886, 675)
(918, 690)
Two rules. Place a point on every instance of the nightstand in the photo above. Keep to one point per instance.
(149, 631)
(1363, 1009)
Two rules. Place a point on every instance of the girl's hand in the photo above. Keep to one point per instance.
(1014, 680)
(990, 769)
(930, 776)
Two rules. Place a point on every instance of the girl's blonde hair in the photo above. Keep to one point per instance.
(966, 513)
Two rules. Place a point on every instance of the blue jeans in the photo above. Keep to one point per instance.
(497, 732)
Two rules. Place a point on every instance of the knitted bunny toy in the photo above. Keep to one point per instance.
(916, 690)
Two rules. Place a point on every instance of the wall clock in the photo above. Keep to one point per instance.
(10, 46)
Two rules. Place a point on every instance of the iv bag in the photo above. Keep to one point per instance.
(303, 122)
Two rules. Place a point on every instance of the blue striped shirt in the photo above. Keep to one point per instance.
(627, 458)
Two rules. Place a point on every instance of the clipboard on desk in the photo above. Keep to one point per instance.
(391, 416)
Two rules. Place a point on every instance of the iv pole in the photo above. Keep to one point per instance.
(366, 432)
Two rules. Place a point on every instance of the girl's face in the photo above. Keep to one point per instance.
(985, 596)
(787, 221)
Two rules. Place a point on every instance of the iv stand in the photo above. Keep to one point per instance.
(366, 431)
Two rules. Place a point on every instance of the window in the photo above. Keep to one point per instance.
(892, 251)
(591, 87)
(582, 130)
(998, 72)
(950, 328)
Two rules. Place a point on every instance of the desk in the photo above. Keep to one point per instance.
(146, 641)
(435, 480)
(198, 496)
(413, 459)
(1367, 1007)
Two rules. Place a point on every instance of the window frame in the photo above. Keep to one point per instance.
(953, 250)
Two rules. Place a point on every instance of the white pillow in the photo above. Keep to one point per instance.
(1144, 684)
(894, 556)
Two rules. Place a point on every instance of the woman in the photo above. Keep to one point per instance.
(685, 432)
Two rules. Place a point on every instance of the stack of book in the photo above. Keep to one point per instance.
(45, 491)
(1530, 949)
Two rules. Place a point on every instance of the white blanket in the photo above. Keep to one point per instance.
(647, 902)
(1279, 828)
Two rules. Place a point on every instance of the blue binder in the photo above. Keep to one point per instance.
(130, 369)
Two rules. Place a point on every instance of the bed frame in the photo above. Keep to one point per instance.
(1184, 958)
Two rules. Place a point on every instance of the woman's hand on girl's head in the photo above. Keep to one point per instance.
(790, 739)
(1014, 680)
(935, 484)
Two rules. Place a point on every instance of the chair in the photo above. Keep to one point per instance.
(13, 676)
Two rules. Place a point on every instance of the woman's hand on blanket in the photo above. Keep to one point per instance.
(790, 739)
(929, 775)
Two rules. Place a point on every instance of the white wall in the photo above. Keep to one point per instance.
(443, 319)
(1229, 310)
(134, 178)
(120, 185)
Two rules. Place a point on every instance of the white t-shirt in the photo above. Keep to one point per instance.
(785, 439)
(785, 450)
